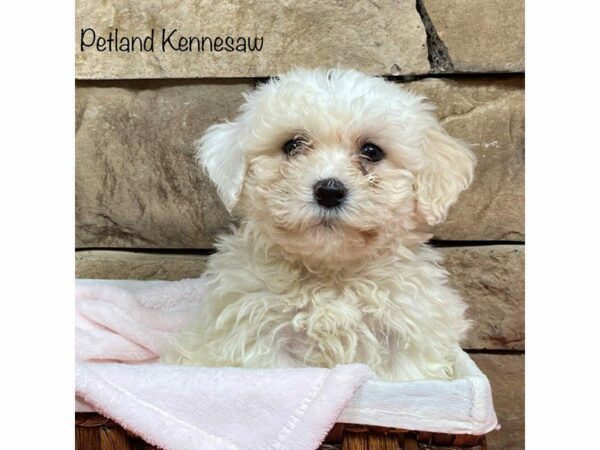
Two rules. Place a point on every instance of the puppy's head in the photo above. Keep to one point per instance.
(334, 165)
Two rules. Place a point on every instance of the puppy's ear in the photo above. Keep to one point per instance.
(448, 170)
(220, 152)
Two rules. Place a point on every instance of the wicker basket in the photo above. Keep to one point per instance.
(96, 432)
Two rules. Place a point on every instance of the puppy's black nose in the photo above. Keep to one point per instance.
(329, 193)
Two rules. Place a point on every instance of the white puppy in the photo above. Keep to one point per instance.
(335, 175)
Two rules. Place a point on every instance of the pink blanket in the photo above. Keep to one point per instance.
(177, 407)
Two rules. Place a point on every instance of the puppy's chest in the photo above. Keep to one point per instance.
(320, 308)
(276, 298)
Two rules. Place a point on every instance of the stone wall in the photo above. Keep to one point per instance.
(144, 210)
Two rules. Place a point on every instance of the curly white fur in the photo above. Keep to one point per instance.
(297, 284)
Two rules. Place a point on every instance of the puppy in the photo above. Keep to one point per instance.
(335, 176)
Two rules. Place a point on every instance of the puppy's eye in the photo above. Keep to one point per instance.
(371, 152)
(292, 146)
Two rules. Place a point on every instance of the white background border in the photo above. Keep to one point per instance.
(37, 224)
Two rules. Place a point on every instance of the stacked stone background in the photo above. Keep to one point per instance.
(144, 210)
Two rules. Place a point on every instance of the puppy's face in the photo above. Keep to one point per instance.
(335, 165)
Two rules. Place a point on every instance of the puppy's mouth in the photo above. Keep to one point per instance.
(335, 223)
(326, 222)
(338, 221)
(330, 221)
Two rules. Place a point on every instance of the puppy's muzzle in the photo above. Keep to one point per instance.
(329, 193)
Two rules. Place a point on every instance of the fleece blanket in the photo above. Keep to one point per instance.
(124, 326)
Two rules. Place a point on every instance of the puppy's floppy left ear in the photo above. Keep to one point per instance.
(220, 152)
(448, 170)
